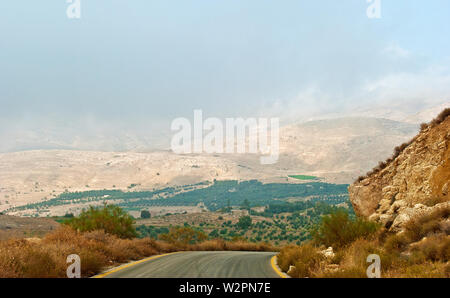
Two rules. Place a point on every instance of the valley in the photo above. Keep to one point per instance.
(335, 150)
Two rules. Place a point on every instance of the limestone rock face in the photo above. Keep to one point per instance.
(416, 182)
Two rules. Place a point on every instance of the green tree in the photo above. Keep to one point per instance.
(244, 222)
(246, 205)
(214, 234)
(110, 218)
(145, 214)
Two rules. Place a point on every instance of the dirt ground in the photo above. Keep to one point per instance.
(25, 227)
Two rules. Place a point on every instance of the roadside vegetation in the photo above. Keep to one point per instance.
(422, 250)
(103, 237)
(339, 230)
(280, 223)
(110, 218)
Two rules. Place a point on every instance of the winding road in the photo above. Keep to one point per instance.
(200, 264)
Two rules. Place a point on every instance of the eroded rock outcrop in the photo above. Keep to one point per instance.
(416, 181)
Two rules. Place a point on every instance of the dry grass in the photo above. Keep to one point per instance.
(429, 259)
(220, 245)
(47, 258)
(306, 259)
(422, 250)
(434, 200)
(434, 248)
(426, 225)
(97, 251)
(429, 228)
(425, 270)
(22, 227)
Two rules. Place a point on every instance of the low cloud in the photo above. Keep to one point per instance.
(395, 96)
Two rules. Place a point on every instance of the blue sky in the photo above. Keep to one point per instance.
(136, 63)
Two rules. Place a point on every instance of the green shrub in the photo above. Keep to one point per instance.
(109, 218)
(145, 214)
(338, 229)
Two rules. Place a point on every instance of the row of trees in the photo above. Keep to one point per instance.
(220, 194)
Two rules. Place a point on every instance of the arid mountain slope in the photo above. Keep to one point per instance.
(334, 149)
(31, 176)
(341, 145)
(415, 182)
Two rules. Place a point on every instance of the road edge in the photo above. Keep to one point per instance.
(274, 264)
(115, 269)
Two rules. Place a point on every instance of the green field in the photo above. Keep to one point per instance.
(303, 177)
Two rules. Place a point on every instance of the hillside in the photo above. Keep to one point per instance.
(333, 149)
(341, 145)
(415, 181)
(404, 208)
(20, 227)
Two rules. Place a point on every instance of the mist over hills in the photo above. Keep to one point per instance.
(337, 150)
(90, 134)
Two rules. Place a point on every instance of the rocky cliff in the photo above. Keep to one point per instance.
(416, 180)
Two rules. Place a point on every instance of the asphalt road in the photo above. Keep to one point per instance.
(198, 264)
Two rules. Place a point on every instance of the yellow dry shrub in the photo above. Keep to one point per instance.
(307, 260)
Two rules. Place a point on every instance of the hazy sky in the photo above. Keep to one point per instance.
(137, 64)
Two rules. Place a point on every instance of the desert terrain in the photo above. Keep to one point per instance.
(336, 150)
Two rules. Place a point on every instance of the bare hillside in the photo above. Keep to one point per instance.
(414, 181)
(20, 227)
(335, 150)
